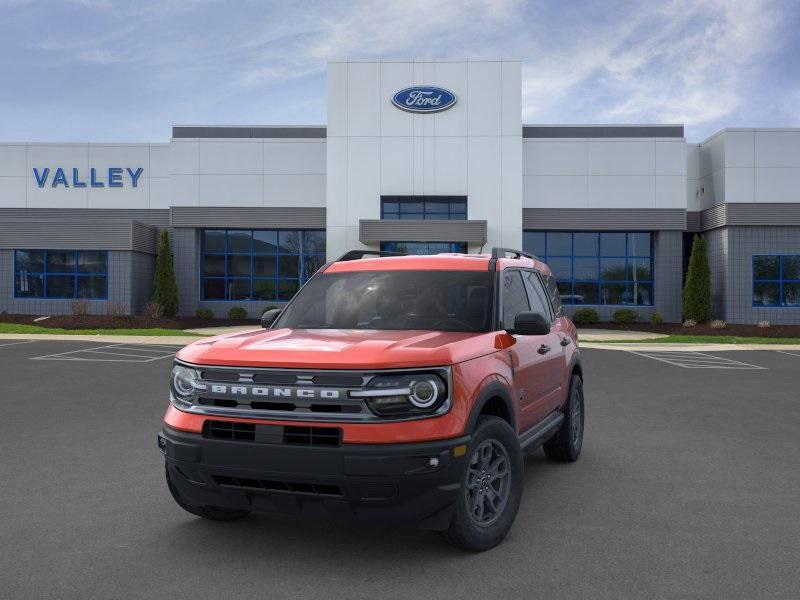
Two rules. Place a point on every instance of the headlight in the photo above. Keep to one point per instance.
(184, 381)
(404, 394)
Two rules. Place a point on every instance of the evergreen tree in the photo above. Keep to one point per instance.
(697, 290)
(165, 288)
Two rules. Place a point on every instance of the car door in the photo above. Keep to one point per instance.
(553, 355)
(528, 362)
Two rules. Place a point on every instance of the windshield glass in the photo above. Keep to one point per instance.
(435, 300)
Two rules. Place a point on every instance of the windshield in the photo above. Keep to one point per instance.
(435, 300)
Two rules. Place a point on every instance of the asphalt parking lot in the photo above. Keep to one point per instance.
(688, 487)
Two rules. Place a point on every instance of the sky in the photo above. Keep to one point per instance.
(126, 71)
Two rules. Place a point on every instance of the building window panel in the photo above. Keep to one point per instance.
(451, 208)
(534, 242)
(214, 240)
(266, 242)
(264, 289)
(213, 289)
(559, 244)
(240, 242)
(61, 274)
(791, 294)
(265, 266)
(790, 266)
(587, 244)
(561, 266)
(60, 261)
(259, 264)
(586, 292)
(92, 286)
(424, 248)
(776, 280)
(766, 267)
(613, 268)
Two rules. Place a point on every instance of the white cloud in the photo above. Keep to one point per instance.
(684, 62)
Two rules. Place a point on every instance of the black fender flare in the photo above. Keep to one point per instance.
(494, 389)
(575, 366)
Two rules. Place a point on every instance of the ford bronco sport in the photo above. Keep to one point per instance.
(395, 388)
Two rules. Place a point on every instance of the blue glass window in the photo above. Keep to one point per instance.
(597, 267)
(424, 247)
(776, 280)
(450, 208)
(258, 264)
(66, 274)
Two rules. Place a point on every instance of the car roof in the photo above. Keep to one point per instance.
(435, 262)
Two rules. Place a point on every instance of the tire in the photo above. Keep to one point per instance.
(214, 513)
(482, 519)
(566, 444)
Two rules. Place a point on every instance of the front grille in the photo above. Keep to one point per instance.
(230, 430)
(310, 395)
(312, 436)
(286, 487)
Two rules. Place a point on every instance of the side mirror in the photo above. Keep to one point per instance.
(269, 317)
(530, 323)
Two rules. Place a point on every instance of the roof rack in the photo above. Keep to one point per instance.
(359, 254)
(502, 252)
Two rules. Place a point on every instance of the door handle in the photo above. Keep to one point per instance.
(566, 340)
(543, 349)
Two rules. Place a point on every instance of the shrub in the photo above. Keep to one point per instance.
(697, 290)
(269, 307)
(764, 324)
(79, 308)
(717, 324)
(165, 288)
(624, 315)
(116, 309)
(690, 323)
(153, 311)
(585, 316)
(204, 313)
(237, 313)
(656, 318)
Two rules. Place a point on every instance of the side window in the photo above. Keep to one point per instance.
(515, 298)
(555, 295)
(539, 301)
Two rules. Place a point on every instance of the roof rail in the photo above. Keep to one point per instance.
(359, 254)
(502, 252)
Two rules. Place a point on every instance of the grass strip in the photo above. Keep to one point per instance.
(704, 339)
(37, 329)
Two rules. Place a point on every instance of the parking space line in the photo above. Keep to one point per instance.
(144, 350)
(787, 353)
(74, 359)
(68, 352)
(144, 358)
(17, 343)
(130, 354)
(697, 360)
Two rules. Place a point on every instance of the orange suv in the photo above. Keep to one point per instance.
(394, 388)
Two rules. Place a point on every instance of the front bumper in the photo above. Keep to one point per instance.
(416, 483)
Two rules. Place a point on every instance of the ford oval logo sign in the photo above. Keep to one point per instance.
(424, 99)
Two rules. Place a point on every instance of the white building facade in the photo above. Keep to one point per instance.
(254, 211)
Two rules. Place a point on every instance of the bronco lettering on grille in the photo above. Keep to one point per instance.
(275, 392)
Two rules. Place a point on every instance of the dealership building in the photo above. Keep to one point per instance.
(417, 156)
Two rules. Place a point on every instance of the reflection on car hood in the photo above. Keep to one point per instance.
(339, 348)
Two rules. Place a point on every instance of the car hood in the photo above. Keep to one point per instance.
(339, 348)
